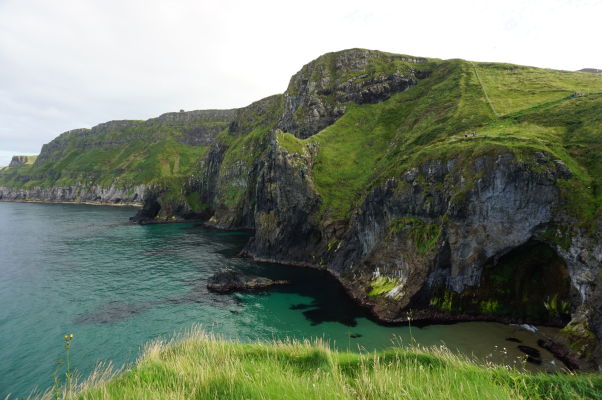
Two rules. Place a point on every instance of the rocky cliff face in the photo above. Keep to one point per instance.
(286, 204)
(115, 162)
(465, 224)
(469, 234)
(370, 166)
(427, 241)
(316, 95)
(77, 194)
(18, 161)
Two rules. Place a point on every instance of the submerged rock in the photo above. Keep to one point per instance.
(561, 352)
(227, 280)
(530, 351)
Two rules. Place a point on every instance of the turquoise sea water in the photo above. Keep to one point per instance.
(86, 270)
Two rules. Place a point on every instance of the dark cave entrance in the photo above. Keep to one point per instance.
(531, 282)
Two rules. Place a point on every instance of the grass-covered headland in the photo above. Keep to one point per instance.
(199, 366)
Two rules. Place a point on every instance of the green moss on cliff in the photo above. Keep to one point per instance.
(424, 235)
(194, 201)
(559, 235)
(237, 164)
(382, 285)
(444, 302)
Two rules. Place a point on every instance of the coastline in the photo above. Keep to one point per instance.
(424, 317)
(418, 318)
(91, 203)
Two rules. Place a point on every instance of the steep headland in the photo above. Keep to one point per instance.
(116, 161)
(432, 189)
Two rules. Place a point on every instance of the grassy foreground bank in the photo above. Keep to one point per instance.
(199, 366)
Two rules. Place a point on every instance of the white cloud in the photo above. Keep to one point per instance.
(67, 64)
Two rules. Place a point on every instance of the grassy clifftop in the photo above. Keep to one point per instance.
(125, 153)
(366, 115)
(512, 108)
(200, 367)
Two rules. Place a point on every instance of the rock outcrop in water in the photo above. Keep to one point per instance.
(227, 280)
(397, 175)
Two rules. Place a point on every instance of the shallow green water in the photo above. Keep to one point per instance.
(85, 270)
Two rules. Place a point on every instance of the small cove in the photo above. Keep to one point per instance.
(86, 270)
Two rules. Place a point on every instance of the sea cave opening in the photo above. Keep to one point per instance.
(530, 282)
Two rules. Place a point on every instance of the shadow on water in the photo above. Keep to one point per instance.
(112, 312)
(116, 311)
(330, 302)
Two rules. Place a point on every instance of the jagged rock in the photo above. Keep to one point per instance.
(18, 161)
(285, 203)
(228, 280)
(316, 95)
(561, 352)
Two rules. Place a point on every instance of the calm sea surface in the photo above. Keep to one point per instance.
(85, 270)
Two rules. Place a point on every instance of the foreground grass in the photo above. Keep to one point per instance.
(200, 367)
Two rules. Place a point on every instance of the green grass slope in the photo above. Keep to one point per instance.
(125, 153)
(201, 367)
(513, 88)
(515, 109)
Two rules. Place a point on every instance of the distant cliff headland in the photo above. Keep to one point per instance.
(436, 190)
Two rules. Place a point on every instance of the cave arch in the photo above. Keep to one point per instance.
(529, 282)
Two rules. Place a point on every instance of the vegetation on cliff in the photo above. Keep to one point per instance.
(510, 108)
(201, 367)
(362, 128)
(122, 153)
(408, 178)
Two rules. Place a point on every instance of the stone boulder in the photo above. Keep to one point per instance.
(227, 280)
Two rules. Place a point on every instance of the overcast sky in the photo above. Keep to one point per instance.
(71, 64)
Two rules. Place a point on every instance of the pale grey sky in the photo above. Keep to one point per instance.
(67, 64)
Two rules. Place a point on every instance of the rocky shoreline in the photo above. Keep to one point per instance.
(90, 203)
(369, 166)
(556, 345)
(82, 194)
